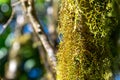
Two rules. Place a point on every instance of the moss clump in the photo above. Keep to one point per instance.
(84, 53)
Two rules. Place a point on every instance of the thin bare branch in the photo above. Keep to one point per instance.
(40, 33)
(17, 3)
(8, 22)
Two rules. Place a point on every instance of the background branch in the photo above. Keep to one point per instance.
(29, 6)
(8, 22)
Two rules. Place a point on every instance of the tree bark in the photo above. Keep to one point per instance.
(85, 52)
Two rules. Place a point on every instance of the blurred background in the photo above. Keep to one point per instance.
(22, 54)
(29, 39)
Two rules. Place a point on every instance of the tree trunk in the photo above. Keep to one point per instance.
(85, 50)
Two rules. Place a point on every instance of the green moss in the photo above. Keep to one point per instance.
(84, 53)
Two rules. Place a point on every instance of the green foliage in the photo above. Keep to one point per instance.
(5, 10)
(116, 36)
(4, 1)
(3, 37)
(27, 52)
(40, 1)
(2, 44)
(85, 52)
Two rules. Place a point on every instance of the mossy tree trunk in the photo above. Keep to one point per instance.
(85, 52)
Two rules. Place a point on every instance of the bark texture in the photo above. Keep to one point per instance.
(85, 50)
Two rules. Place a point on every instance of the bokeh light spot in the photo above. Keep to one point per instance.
(50, 10)
(9, 40)
(12, 65)
(3, 52)
(20, 19)
(5, 8)
(27, 29)
(29, 64)
(117, 76)
(35, 73)
(1, 28)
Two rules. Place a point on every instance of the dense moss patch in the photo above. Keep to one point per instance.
(85, 52)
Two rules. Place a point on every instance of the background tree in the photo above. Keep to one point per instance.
(26, 40)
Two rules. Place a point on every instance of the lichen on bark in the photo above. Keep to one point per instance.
(85, 52)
